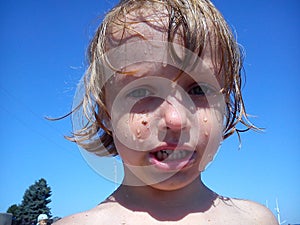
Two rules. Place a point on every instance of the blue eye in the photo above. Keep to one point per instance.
(139, 93)
(202, 90)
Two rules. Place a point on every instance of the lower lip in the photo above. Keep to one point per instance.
(174, 165)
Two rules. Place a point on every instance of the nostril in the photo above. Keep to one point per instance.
(144, 122)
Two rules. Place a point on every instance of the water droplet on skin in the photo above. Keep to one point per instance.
(133, 137)
(144, 122)
(204, 119)
(150, 49)
(145, 52)
(192, 109)
(165, 63)
(206, 133)
(140, 140)
(138, 133)
(219, 117)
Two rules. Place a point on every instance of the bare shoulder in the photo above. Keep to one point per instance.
(100, 215)
(256, 212)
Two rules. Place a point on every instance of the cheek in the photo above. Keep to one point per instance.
(129, 156)
(210, 135)
(134, 128)
(140, 125)
(142, 117)
(211, 115)
(211, 123)
(210, 119)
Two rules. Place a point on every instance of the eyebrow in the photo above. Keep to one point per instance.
(135, 72)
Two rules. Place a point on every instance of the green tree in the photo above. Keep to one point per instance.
(16, 211)
(35, 201)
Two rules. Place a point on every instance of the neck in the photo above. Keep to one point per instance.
(166, 205)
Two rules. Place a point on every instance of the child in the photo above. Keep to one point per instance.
(42, 219)
(162, 91)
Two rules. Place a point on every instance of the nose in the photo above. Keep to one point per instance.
(174, 117)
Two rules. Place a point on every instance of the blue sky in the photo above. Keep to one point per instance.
(43, 56)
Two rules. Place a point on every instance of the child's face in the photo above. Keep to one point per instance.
(43, 222)
(166, 127)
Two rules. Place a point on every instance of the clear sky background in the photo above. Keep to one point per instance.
(42, 58)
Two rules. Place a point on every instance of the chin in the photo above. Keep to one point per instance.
(178, 181)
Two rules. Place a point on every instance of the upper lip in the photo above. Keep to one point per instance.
(172, 147)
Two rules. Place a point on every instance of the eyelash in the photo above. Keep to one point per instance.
(201, 90)
(198, 90)
(139, 93)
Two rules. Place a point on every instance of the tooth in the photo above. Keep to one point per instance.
(165, 155)
(172, 156)
(159, 155)
(169, 152)
(180, 154)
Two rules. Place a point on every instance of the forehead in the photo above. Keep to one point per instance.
(169, 72)
(140, 36)
(149, 22)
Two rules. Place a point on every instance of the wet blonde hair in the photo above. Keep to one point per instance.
(198, 21)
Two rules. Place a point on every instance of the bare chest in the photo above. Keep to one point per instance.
(142, 218)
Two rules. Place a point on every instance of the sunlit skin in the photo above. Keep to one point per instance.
(161, 105)
(43, 222)
(150, 109)
(170, 119)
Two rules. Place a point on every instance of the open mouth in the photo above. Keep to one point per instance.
(172, 159)
(171, 155)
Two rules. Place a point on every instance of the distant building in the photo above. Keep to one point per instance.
(5, 218)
